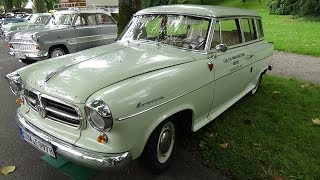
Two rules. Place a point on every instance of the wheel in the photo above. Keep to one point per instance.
(58, 51)
(255, 89)
(161, 147)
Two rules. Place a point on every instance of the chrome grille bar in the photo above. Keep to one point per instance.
(56, 110)
(24, 47)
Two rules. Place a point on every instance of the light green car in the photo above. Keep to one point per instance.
(173, 70)
(35, 20)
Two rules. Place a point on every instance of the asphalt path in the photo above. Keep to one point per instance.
(15, 152)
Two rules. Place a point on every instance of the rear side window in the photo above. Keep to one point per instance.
(249, 30)
(260, 29)
(86, 20)
(104, 19)
(230, 32)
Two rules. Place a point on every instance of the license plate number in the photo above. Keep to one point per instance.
(20, 55)
(43, 146)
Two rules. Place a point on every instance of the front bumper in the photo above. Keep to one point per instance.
(35, 55)
(92, 159)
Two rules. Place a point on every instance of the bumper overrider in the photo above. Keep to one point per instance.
(96, 160)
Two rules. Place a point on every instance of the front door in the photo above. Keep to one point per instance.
(87, 33)
(231, 67)
(107, 29)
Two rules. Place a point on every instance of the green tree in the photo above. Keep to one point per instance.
(39, 6)
(295, 7)
(8, 5)
(50, 3)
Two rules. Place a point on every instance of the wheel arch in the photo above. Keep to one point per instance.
(59, 45)
(184, 117)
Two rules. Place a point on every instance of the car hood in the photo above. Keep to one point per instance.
(75, 77)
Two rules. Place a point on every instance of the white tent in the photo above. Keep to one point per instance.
(29, 4)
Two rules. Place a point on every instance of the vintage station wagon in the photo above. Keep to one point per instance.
(67, 31)
(173, 70)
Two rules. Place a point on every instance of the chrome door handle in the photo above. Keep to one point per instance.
(249, 56)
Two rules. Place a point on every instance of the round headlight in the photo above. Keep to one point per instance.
(15, 83)
(99, 115)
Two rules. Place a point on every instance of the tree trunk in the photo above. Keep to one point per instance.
(38, 6)
(8, 5)
(126, 9)
(18, 4)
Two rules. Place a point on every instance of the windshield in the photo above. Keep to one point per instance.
(60, 19)
(177, 30)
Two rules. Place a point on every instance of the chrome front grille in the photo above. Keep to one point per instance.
(24, 46)
(53, 109)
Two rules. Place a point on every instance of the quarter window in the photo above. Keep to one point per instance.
(104, 19)
(248, 29)
(260, 29)
(230, 32)
(216, 35)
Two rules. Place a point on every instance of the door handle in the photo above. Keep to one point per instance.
(249, 56)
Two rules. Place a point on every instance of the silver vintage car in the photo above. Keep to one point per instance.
(35, 20)
(173, 70)
(66, 32)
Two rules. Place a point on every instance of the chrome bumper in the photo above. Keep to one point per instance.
(36, 55)
(92, 159)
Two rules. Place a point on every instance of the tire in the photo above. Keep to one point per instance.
(255, 89)
(161, 147)
(57, 51)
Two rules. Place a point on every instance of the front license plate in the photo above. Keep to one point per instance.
(37, 142)
(20, 55)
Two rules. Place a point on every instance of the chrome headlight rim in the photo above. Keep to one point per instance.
(15, 82)
(102, 109)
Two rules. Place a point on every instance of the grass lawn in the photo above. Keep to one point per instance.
(291, 34)
(269, 134)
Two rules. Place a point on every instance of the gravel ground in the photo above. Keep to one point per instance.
(296, 66)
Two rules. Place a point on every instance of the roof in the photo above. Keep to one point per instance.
(79, 10)
(199, 10)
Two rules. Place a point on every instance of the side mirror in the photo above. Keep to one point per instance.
(221, 48)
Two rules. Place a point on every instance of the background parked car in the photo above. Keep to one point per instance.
(66, 32)
(34, 20)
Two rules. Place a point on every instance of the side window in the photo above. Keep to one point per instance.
(216, 35)
(42, 19)
(249, 30)
(230, 32)
(85, 20)
(104, 19)
(260, 29)
(91, 18)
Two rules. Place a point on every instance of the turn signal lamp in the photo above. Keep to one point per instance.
(102, 138)
(19, 101)
(10, 45)
(37, 47)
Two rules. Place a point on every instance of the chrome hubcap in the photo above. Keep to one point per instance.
(165, 142)
(57, 53)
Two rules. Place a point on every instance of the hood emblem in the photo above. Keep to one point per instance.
(55, 72)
